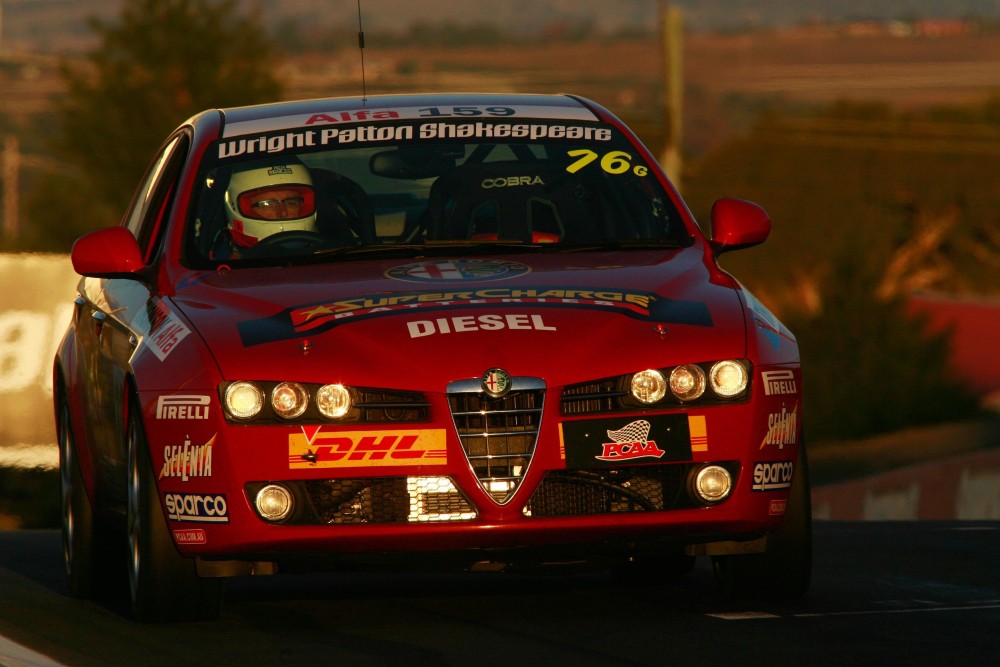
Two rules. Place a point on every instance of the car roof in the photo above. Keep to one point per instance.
(239, 121)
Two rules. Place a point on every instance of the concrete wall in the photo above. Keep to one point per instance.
(36, 302)
(965, 487)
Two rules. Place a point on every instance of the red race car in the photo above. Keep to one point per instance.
(474, 330)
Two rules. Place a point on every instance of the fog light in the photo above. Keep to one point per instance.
(244, 400)
(649, 386)
(333, 400)
(687, 382)
(274, 502)
(713, 483)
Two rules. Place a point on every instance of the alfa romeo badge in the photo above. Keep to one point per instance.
(496, 382)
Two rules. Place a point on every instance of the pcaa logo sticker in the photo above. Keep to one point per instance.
(457, 270)
(630, 442)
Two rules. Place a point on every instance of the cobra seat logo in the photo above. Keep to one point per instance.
(510, 182)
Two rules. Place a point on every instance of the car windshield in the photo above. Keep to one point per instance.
(402, 187)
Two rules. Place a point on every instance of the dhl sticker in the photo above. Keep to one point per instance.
(315, 448)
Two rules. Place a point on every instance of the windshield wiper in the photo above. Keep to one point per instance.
(472, 247)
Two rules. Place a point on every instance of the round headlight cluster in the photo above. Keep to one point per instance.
(649, 386)
(333, 400)
(244, 400)
(728, 378)
(688, 382)
(289, 400)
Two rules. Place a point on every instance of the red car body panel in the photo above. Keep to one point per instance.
(174, 334)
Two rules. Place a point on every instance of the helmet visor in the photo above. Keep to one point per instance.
(277, 202)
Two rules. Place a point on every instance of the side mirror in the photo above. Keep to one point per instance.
(107, 253)
(737, 223)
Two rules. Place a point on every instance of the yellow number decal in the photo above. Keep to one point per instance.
(586, 157)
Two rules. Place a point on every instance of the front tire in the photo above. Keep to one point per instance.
(164, 586)
(784, 570)
(78, 528)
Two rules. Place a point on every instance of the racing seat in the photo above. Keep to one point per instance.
(529, 201)
(344, 212)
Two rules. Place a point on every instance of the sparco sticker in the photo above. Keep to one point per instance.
(772, 476)
(207, 508)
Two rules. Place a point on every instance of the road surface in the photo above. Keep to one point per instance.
(883, 593)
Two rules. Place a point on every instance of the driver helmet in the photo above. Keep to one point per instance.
(265, 200)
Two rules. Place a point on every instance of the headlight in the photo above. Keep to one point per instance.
(687, 382)
(649, 386)
(289, 399)
(728, 378)
(333, 400)
(244, 400)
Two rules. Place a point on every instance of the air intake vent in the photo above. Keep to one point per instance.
(498, 434)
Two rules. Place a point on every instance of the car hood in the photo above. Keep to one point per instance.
(418, 324)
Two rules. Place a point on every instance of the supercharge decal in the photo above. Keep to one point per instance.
(319, 317)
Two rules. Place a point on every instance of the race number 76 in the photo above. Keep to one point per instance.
(613, 162)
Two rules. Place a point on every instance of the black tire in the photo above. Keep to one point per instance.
(163, 585)
(78, 529)
(784, 570)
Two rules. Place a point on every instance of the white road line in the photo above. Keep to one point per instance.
(13, 654)
(970, 607)
(756, 615)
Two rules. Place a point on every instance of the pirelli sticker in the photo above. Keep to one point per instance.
(318, 448)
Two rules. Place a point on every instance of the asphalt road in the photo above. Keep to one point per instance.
(883, 593)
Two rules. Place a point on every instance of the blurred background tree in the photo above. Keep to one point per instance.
(869, 205)
(871, 200)
(159, 63)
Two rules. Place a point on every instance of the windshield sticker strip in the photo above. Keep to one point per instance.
(364, 134)
(347, 116)
(316, 318)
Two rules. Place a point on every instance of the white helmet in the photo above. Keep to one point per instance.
(262, 201)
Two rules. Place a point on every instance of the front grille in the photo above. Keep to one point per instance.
(374, 406)
(596, 397)
(377, 500)
(498, 435)
(640, 489)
